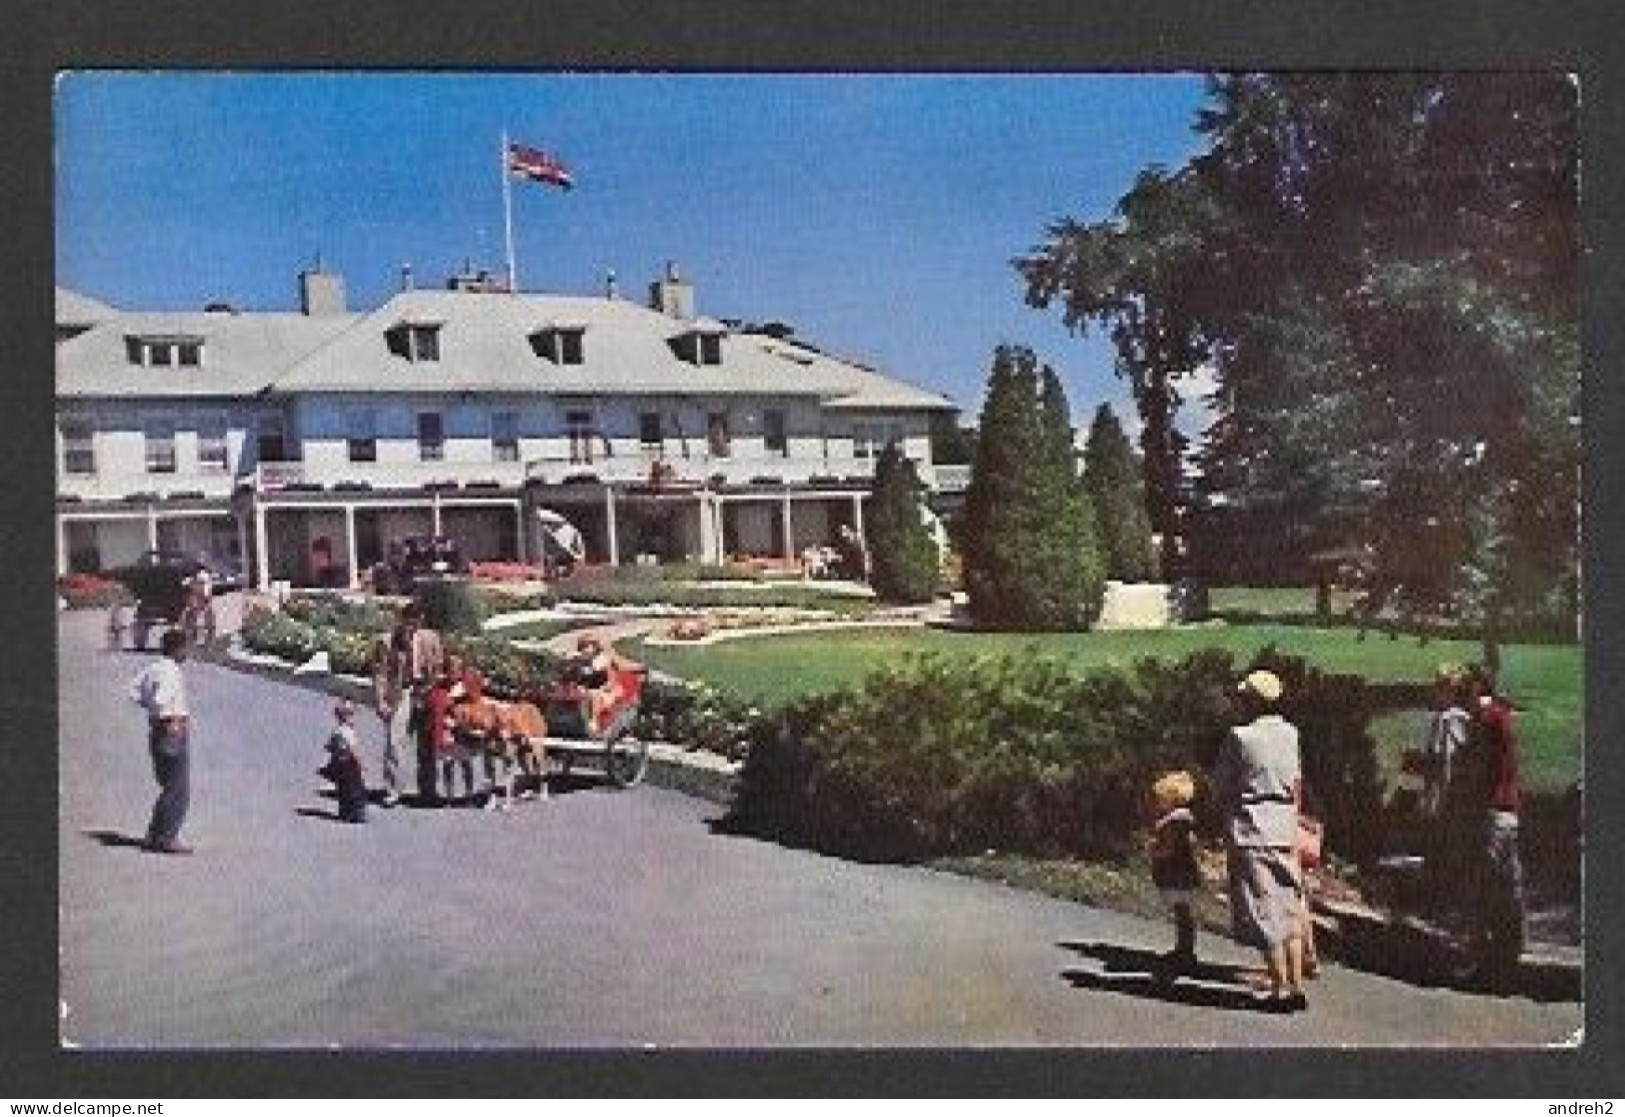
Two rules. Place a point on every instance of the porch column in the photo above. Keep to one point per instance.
(709, 550)
(152, 526)
(857, 518)
(522, 551)
(61, 545)
(349, 546)
(434, 512)
(262, 557)
(242, 539)
(609, 522)
(789, 535)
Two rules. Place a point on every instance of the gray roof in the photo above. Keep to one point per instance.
(242, 353)
(485, 347)
(75, 309)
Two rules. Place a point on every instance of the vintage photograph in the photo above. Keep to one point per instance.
(723, 561)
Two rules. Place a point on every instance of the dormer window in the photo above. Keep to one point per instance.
(701, 345)
(414, 341)
(563, 345)
(163, 351)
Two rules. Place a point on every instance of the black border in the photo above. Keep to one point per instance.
(768, 36)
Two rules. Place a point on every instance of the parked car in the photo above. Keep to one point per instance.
(160, 582)
(417, 557)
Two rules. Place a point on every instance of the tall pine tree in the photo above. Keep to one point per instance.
(906, 566)
(1111, 476)
(1031, 560)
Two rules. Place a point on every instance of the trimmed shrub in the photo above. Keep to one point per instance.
(331, 610)
(940, 757)
(695, 716)
(449, 605)
(276, 633)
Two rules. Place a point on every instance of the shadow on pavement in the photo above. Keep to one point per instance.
(325, 816)
(1149, 974)
(115, 840)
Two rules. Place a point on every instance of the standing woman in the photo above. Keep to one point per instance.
(1256, 780)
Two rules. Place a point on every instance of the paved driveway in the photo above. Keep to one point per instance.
(600, 918)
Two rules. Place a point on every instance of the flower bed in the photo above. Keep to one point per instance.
(92, 591)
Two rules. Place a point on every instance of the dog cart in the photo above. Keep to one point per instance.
(612, 747)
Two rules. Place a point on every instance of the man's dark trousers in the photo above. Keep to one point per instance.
(171, 766)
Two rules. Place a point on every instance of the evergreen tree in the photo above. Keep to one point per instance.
(1112, 479)
(905, 564)
(1030, 551)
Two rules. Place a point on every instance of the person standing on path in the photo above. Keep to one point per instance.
(405, 661)
(1256, 780)
(1496, 907)
(160, 690)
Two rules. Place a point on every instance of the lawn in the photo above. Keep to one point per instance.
(1545, 680)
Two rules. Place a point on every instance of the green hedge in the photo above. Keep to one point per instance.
(450, 605)
(507, 670)
(696, 716)
(940, 757)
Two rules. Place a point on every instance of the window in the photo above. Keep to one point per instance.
(212, 453)
(578, 426)
(505, 436)
(863, 440)
(160, 445)
(414, 341)
(699, 346)
(650, 432)
(78, 448)
(269, 433)
(773, 436)
(363, 437)
(563, 345)
(716, 434)
(431, 436)
(710, 349)
(163, 351)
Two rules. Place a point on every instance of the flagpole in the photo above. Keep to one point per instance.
(507, 214)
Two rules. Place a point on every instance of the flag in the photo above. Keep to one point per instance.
(538, 166)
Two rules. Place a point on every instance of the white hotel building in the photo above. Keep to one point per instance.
(300, 445)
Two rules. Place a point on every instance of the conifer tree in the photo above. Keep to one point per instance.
(905, 564)
(1030, 558)
(1112, 478)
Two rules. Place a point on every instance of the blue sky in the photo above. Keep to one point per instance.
(876, 214)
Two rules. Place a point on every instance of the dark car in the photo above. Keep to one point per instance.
(414, 558)
(159, 582)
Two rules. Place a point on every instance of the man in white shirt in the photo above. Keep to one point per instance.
(160, 690)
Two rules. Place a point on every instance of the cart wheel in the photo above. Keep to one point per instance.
(626, 760)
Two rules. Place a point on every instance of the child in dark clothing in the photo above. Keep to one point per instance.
(343, 765)
(1173, 858)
